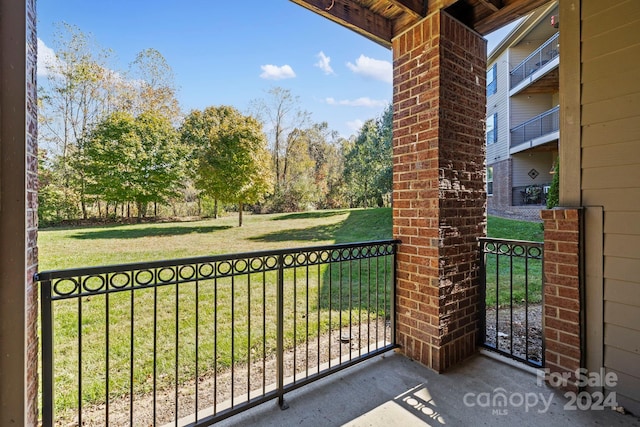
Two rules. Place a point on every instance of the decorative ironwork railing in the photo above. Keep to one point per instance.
(537, 59)
(540, 125)
(208, 337)
(511, 291)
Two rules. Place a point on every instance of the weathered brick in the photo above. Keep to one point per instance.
(445, 141)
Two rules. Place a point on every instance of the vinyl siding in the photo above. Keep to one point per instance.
(498, 103)
(524, 162)
(525, 107)
(611, 174)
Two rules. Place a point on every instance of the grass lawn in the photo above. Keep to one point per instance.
(61, 248)
(236, 317)
(129, 315)
(517, 279)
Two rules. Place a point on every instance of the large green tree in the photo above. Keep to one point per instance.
(75, 94)
(368, 162)
(134, 159)
(230, 158)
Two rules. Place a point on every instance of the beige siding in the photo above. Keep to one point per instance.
(524, 162)
(611, 174)
(498, 103)
(525, 107)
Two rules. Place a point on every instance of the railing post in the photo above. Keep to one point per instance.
(46, 314)
(482, 326)
(393, 293)
(280, 334)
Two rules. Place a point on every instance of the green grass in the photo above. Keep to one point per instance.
(222, 339)
(503, 228)
(518, 280)
(74, 247)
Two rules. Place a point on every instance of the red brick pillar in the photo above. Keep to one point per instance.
(31, 154)
(18, 214)
(562, 305)
(438, 187)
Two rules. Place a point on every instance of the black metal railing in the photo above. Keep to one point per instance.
(511, 292)
(194, 341)
(538, 126)
(537, 59)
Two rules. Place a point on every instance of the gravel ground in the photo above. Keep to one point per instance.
(521, 213)
(211, 389)
(519, 331)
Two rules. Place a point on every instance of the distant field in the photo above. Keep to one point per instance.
(61, 248)
(116, 244)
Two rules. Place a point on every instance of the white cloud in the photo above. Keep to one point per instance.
(355, 125)
(47, 60)
(359, 102)
(373, 68)
(324, 63)
(273, 72)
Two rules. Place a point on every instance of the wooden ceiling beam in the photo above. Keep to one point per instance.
(417, 8)
(493, 5)
(351, 15)
(509, 12)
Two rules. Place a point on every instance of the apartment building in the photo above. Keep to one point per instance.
(523, 113)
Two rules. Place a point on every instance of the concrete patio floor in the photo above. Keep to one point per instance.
(393, 390)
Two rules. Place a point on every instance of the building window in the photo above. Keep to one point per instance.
(490, 180)
(492, 128)
(492, 79)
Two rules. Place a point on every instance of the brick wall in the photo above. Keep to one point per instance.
(438, 187)
(32, 216)
(562, 307)
(501, 198)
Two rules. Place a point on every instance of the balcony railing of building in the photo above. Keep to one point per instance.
(511, 291)
(538, 58)
(538, 126)
(208, 337)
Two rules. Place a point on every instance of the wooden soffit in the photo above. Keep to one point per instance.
(382, 20)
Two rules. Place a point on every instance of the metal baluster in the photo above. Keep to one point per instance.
(106, 339)
(280, 334)
(248, 332)
(197, 290)
(177, 343)
(46, 315)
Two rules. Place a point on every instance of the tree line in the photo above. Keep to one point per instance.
(115, 144)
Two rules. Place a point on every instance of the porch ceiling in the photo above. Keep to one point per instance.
(382, 20)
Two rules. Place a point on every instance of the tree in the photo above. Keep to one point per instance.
(76, 95)
(152, 86)
(368, 162)
(280, 113)
(231, 162)
(134, 160)
(553, 198)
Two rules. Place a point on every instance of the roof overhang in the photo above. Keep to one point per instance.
(382, 20)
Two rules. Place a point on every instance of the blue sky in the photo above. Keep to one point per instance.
(234, 52)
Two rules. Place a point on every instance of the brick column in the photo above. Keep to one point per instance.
(438, 187)
(562, 304)
(32, 306)
(18, 214)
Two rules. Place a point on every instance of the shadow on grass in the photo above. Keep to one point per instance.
(136, 233)
(360, 225)
(308, 215)
(357, 286)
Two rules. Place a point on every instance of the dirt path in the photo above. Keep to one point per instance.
(520, 337)
(216, 389)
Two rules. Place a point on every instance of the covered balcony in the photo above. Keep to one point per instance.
(536, 131)
(538, 70)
